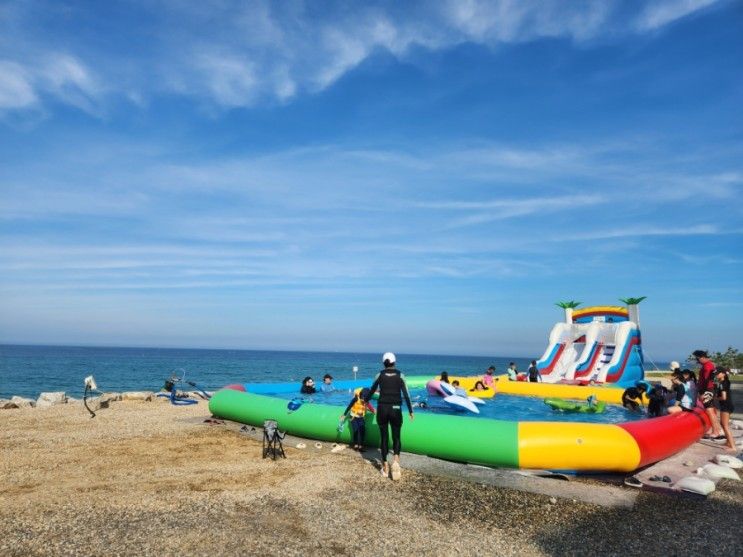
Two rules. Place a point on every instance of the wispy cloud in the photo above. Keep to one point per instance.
(640, 231)
(57, 76)
(663, 12)
(266, 52)
(501, 209)
(16, 88)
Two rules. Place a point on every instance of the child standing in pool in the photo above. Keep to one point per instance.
(488, 379)
(357, 408)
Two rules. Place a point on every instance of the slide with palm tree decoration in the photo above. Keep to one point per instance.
(600, 344)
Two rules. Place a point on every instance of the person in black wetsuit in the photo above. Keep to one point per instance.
(632, 397)
(392, 389)
(533, 373)
(308, 386)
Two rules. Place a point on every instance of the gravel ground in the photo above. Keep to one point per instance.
(147, 478)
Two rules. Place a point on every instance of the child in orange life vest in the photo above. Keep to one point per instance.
(357, 407)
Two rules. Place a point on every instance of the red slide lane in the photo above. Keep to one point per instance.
(592, 363)
(614, 377)
(659, 438)
(548, 369)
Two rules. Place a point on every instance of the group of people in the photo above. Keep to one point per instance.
(532, 375)
(709, 389)
(308, 385)
(488, 381)
(390, 383)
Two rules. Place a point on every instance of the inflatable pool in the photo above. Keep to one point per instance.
(565, 446)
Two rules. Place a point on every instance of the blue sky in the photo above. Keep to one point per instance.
(417, 177)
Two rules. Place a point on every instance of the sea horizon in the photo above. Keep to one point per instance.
(28, 369)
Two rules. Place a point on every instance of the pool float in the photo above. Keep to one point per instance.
(583, 407)
(609, 394)
(564, 446)
(453, 396)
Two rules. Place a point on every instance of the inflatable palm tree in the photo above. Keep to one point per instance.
(634, 311)
(568, 307)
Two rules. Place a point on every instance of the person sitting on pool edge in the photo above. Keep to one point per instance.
(308, 386)
(632, 397)
(685, 391)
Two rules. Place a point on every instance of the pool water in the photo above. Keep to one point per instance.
(500, 407)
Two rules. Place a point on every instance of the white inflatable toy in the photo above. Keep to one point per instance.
(695, 484)
(453, 397)
(717, 472)
(729, 461)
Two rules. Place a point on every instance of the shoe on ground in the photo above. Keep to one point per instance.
(396, 472)
(384, 472)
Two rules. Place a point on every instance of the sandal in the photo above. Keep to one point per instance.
(396, 472)
(632, 481)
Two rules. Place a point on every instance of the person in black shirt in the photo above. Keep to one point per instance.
(722, 392)
(392, 389)
(657, 401)
(308, 386)
(632, 397)
(533, 373)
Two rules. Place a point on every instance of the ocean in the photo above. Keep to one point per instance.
(28, 370)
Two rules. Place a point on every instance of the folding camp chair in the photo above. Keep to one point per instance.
(272, 440)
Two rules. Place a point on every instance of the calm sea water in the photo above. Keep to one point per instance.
(29, 370)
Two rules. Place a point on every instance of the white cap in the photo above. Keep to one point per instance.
(388, 357)
(675, 365)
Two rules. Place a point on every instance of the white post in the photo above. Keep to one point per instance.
(568, 315)
(634, 314)
(355, 370)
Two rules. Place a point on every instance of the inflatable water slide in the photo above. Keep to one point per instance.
(599, 344)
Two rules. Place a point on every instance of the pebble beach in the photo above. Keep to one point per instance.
(147, 478)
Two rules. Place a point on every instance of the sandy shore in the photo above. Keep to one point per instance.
(146, 478)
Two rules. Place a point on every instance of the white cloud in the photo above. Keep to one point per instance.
(660, 13)
(16, 89)
(501, 209)
(245, 54)
(639, 231)
(59, 76)
(231, 80)
(68, 79)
